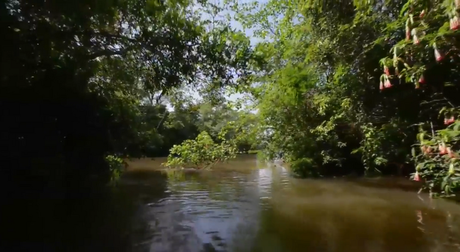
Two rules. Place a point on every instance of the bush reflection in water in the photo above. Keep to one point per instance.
(244, 205)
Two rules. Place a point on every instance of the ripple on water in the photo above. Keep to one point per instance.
(266, 210)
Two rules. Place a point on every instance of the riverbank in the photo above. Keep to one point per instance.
(395, 182)
(137, 164)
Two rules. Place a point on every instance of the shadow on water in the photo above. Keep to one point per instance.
(101, 221)
(241, 206)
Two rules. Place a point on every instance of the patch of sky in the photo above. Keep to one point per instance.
(236, 25)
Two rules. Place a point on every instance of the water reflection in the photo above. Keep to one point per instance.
(244, 206)
(263, 209)
(102, 221)
(203, 211)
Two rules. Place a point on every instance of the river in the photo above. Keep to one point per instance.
(247, 205)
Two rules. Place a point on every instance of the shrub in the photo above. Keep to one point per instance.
(304, 167)
(201, 153)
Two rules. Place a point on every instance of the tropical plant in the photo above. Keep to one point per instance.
(200, 153)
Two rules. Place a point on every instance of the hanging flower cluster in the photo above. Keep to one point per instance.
(415, 34)
(385, 81)
(443, 149)
(444, 146)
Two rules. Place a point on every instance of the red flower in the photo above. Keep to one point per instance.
(416, 176)
(408, 21)
(426, 149)
(386, 70)
(421, 80)
(454, 23)
(422, 14)
(387, 84)
(442, 149)
(439, 57)
(448, 121)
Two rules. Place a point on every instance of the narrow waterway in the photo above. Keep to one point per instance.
(247, 205)
(251, 206)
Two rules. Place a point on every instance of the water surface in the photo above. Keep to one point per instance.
(251, 206)
(247, 205)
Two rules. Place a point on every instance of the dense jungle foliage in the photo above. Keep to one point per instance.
(338, 87)
(84, 83)
(360, 86)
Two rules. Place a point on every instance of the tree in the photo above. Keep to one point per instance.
(75, 77)
(336, 95)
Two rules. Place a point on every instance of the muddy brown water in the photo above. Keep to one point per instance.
(248, 205)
